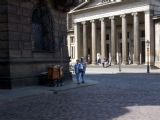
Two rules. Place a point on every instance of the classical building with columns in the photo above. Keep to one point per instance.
(116, 30)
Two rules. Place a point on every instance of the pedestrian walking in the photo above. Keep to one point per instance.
(82, 69)
(76, 69)
(104, 62)
(110, 61)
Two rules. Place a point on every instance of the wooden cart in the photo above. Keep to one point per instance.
(55, 74)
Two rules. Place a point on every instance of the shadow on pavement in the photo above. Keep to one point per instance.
(113, 98)
(122, 93)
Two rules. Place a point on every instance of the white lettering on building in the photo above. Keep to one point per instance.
(110, 1)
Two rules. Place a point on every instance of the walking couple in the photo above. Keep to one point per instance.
(80, 68)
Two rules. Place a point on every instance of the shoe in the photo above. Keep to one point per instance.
(78, 83)
(83, 82)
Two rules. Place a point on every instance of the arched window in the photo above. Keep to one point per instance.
(37, 30)
(42, 29)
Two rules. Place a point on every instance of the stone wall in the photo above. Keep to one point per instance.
(20, 62)
(4, 44)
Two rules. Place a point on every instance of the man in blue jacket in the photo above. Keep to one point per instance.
(82, 69)
(76, 69)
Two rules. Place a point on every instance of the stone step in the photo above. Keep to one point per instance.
(117, 66)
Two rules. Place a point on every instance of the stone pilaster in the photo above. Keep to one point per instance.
(69, 44)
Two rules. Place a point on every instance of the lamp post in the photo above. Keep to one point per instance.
(148, 45)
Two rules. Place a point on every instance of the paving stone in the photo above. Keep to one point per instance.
(118, 96)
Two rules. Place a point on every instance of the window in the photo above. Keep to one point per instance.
(143, 33)
(37, 30)
(120, 35)
(42, 30)
(72, 39)
(72, 52)
(107, 37)
(128, 35)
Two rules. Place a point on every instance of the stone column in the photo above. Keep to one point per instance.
(149, 35)
(94, 47)
(103, 38)
(136, 39)
(77, 40)
(84, 40)
(113, 40)
(124, 40)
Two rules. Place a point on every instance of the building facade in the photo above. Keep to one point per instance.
(32, 38)
(114, 29)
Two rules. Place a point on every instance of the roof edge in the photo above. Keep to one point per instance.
(81, 5)
(97, 6)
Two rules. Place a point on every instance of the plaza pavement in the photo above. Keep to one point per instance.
(108, 94)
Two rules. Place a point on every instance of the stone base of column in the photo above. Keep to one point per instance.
(124, 63)
(94, 63)
(136, 63)
(114, 63)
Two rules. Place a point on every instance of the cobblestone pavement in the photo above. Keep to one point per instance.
(118, 96)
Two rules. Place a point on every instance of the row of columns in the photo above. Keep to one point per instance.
(136, 59)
